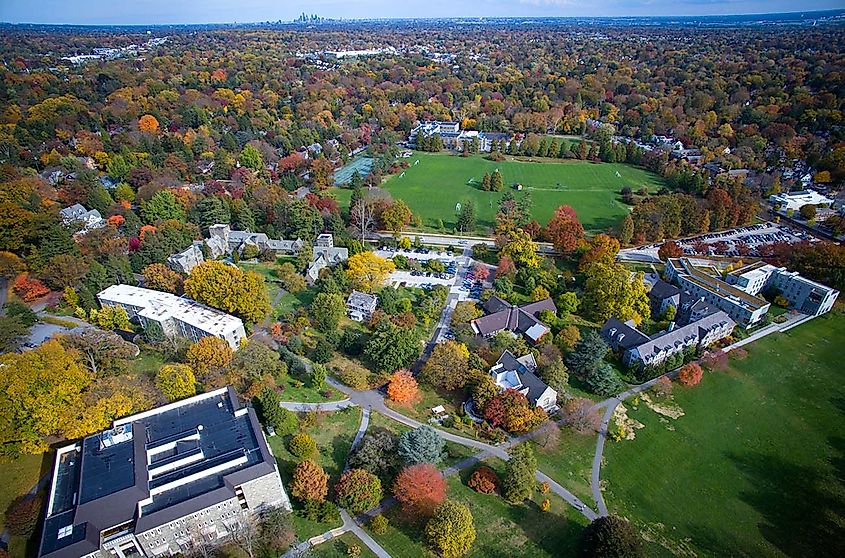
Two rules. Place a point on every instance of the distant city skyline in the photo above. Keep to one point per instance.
(152, 12)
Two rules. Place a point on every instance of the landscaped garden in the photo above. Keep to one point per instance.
(433, 187)
(754, 467)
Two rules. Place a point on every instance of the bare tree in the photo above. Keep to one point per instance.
(579, 415)
(246, 534)
(362, 217)
(199, 544)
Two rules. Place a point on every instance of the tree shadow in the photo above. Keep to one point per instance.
(803, 510)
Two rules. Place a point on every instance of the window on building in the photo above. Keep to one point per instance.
(65, 532)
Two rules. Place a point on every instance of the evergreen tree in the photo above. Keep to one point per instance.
(485, 182)
(518, 481)
(466, 220)
(496, 182)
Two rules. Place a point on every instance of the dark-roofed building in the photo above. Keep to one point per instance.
(160, 481)
(501, 315)
(638, 349)
(663, 295)
(520, 374)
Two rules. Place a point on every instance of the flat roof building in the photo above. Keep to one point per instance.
(796, 200)
(160, 481)
(177, 316)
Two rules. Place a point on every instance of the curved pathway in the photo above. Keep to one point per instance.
(610, 404)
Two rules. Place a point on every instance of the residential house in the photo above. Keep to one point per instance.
(162, 482)
(186, 260)
(501, 315)
(520, 374)
(176, 316)
(361, 306)
(77, 215)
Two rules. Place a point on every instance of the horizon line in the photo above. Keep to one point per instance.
(417, 18)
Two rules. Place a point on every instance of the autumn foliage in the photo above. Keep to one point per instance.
(420, 489)
(690, 374)
(669, 250)
(484, 480)
(564, 230)
(310, 482)
(403, 387)
(358, 490)
(511, 411)
(148, 123)
(29, 288)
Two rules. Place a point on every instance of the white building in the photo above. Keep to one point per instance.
(361, 306)
(803, 294)
(177, 316)
(78, 215)
(796, 200)
(520, 374)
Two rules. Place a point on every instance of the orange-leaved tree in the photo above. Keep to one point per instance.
(690, 374)
(403, 387)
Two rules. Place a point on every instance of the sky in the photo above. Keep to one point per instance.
(140, 12)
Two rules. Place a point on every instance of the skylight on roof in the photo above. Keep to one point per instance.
(65, 532)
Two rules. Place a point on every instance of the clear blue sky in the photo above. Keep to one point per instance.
(214, 11)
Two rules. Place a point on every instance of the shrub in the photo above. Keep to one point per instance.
(544, 488)
(663, 387)
(309, 482)
(484, 480)
(378, 524)
(22, 515)
(302, 446)
(353, 375)
(358, 490)
(323, 512)
(545, 505)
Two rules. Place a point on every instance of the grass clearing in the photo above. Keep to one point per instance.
(19, 476)
(337, 548)
(305, 394)
(502, 530)
(755, 467)
(570, 463)
(440, 180)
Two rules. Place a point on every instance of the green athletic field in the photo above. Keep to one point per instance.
(433, 186)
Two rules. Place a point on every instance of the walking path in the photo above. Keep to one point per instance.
(610, 404)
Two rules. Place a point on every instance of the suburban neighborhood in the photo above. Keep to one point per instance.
(422, 287)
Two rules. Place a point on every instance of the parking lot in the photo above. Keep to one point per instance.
(423, 277)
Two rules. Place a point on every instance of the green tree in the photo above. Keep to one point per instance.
(611, 537)
(518, 481)
(397, 216)
(447, 366)
(451, 531)
(392, 347)
(251, 158)
(162, 206)
(467, 218)
(176, 381)
(326, 311)
(358, 491)
(211, 211)
(587, 355)
(284, 422)
(610, 290)
(603, 380)
(496, 182)
(302, 446)
(421, 445)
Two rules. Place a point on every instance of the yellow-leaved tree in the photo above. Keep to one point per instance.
(229, 289)
(368, 272)
(176, 381)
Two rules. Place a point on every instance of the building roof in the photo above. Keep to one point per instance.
(511, 372)
(622, 335)
(362, 300)
(502, 315)
(159, 306)
(686, 335)
(694, 274)
(662, 290)
(152, 468)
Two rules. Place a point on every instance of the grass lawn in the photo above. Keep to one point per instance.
(334, 433)
(290, 302)
(756, 466)
(502, 530)
(337, 548)
(19, 476)
(430, 397)
(571, 463)
(440, 180)
(305, 394)
(147, 362)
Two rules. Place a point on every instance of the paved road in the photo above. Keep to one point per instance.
(453, 240)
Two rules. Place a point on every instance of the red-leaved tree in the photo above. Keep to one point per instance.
(420, 489)
(669, 250)
(565, 230)
(29, 288)
(690, 374)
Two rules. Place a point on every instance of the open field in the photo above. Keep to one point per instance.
(570, 464)
(337, 548)
(433, 187)
(756, 466)
(502, 530)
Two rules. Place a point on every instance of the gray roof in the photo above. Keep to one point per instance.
(622, 335)
(100, 482)
(525, 369)
(694, 331)
(662, 290)
(502, 315)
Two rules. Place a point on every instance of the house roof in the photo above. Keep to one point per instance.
(511, 372)
(662, 290)
(502, 315)
(622, 335)
(685, 335)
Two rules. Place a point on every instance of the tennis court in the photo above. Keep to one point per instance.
(344, 174)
